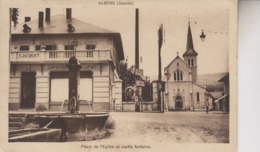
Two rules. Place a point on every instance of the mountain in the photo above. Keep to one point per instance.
(211, 80)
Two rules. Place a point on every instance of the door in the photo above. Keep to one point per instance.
(178, 102)
(28, 90)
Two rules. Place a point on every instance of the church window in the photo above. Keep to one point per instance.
(192, 62)
(198, 97)
(178, 75)
(189, 61)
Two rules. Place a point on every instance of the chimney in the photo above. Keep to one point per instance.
(40, 22)
(48, 15)
(137, 38)
(68, 13)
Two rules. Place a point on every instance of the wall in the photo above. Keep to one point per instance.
(102, 42)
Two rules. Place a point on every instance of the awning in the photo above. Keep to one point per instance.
(220, 98)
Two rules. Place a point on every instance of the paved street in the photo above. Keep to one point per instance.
(172, 127)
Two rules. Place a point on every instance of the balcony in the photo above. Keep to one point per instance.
(58, 56)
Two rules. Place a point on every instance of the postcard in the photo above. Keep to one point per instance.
(119, 75)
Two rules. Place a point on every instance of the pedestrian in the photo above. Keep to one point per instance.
(207, 109)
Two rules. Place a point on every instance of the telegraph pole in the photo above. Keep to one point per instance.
(159, 87)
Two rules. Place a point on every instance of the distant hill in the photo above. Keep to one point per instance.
(211, 80)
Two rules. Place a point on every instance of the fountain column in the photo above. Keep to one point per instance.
(74, 81)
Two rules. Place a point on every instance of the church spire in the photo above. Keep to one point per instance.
(189, 40)
(189, 47)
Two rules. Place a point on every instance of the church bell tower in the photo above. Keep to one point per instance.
(190, 55)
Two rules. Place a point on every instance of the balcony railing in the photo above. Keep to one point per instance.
(49, 56)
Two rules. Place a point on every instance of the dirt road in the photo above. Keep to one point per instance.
(173, 127)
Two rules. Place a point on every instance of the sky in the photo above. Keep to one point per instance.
(211, 16)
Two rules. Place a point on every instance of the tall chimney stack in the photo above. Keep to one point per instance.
(137, 38)
(48, 15)
(68, 13)
(40, 22)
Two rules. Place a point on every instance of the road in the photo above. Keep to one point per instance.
(173, 127)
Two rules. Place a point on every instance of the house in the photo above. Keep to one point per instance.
(39, 54)
(223, 102)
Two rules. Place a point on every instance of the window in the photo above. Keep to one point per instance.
(24, 47)
(198, 97)
(68, 47)
(47, 47)
(178, 76)
(90, 47)
(191, 62)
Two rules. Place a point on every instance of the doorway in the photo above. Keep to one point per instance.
(28, 90)
(178, 102)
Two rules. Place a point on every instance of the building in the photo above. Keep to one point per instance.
(183, 92)
(39, 54)
(223, 102)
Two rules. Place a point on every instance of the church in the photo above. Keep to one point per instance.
(182, 90)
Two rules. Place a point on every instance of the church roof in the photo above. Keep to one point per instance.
(190, 47)
(177, 57)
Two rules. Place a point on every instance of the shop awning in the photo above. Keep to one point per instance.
(216, 101)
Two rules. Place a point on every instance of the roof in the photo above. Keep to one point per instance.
(216, 95)
(189, 47)
(177, 57)
(224, 78)
(59, 25)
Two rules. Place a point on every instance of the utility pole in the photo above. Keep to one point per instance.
(159, 87)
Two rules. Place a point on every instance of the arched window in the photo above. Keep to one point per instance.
(192, 62)
(178, 75)
(189, 61)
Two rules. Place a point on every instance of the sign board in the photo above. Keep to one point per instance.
(28, 55)
(118, 106)
(161, 86)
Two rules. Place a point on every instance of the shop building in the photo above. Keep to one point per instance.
(39, 54)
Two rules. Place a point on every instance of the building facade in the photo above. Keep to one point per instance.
(39, 54)
(183, 92)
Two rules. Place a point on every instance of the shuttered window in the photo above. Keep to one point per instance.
(59, 89)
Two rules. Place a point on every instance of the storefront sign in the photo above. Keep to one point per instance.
(118, 106)
(28, 55)
(59, 67)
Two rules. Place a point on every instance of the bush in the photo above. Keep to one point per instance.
(41, 107)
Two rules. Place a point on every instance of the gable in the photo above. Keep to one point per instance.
(178, 64)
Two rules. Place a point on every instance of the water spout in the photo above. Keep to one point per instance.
(62, 105)
(90, 106)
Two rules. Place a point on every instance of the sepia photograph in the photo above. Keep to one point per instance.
(121, 75)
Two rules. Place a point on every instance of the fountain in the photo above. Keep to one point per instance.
(73, 125)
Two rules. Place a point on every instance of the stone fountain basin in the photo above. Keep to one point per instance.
(82, 122)
(34, 135)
